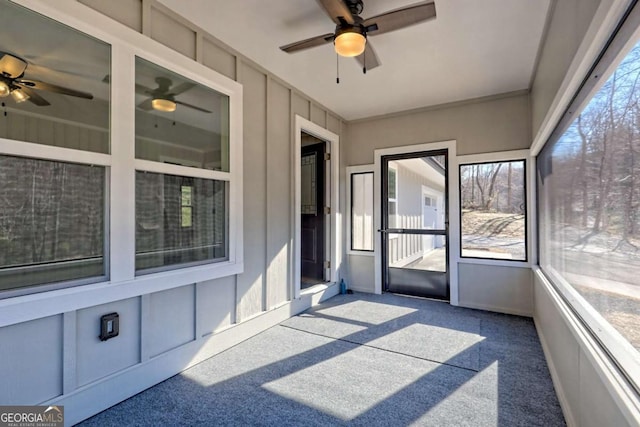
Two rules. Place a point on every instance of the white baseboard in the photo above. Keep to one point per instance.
(93, 398)
(497, 309)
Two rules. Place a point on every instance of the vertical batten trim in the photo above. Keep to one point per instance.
(69, 352)
(199, 47)
(146, 17)
(145, 322)
(267, 233)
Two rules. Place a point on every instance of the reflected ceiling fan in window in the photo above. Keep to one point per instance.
(352, 31)
(163, 98)
(12, 69)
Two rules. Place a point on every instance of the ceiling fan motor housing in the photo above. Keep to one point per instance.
(355, 6)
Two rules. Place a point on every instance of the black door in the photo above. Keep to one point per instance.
(313, 215)
(415, 224)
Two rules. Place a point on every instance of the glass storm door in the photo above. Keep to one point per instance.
(415, 224)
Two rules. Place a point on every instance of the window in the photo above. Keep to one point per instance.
(180, 120)
(53, 206)
(181, 178)
(362, 230)
(589, 192)
(493, 210)
(392, 192)
(185, 206)
(179, 220)
(51, 222)
(68, 105)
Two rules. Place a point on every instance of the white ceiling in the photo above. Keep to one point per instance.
(472, 49)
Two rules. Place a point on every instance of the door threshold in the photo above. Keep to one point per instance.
(314, 289)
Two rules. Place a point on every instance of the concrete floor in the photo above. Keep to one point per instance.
(367, 360)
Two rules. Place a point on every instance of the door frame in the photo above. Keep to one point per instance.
(454, 209)
(332, 225)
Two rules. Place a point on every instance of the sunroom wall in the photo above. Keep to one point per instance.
(162, 333)
(496, 124)
(590, 389)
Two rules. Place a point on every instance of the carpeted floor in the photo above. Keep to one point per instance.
(370, 360)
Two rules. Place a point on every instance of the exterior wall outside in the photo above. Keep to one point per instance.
(164, 332)
(405, 248)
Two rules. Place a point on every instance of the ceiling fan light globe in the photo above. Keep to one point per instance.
(4, 89)
(164, 105)
(350, 44)
(19, 96)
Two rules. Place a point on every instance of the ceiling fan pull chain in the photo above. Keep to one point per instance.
(364, 63)
(337, 69)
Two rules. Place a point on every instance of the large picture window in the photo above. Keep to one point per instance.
(493, 209)
(589, 198)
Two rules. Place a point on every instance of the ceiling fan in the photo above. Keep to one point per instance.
(163, 98)
(352, 31)
(12, 69)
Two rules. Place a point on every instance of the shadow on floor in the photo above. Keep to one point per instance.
(363, 360)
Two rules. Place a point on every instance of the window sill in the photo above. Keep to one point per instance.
(49, 303)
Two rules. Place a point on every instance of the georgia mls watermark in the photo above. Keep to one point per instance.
(31, 416)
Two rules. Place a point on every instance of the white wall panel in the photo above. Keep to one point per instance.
(97, 359)
(127, 12)
(218, 59)
(171, 320)
(252, 282)
(172, 33)
(31, 361)
(361, 273)
(216, 304)
(279, 201)
(496, 288)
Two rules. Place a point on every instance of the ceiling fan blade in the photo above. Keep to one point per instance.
(143, 90)
(35, 84)
(193, 106)
(308, 43)
(337, 9)
(146, 105)
(368, 59)
(183, 87)
(11, 66)
(400, 18)
(34, 97)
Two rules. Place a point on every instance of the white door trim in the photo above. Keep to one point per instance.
(333, 250)
(454, 208)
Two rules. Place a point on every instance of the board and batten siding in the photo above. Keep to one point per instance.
(59, 359)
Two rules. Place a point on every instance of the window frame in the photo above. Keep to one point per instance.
(624, 35)
(529, 177)
(356, 170)
(121, 281)
(166, 166)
